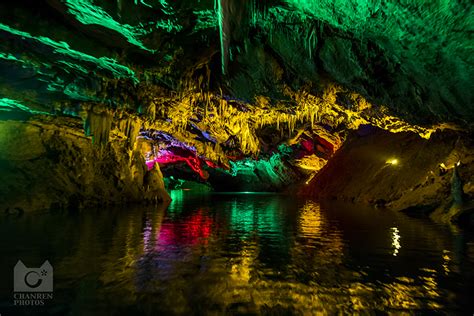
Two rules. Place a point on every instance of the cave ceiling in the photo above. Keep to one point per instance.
(234, 78)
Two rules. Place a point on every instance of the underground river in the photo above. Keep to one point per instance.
(240, 254)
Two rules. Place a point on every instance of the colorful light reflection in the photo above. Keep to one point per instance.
(191, 230)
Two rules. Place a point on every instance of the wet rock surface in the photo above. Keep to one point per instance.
(215, 87)
(401, 172)
(44, 164)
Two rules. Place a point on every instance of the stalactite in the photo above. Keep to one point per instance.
(151, 113)
(119, 8)
(225, 120)
(222, 35)
(98, 124)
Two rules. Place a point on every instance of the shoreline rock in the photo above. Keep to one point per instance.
(46, 163)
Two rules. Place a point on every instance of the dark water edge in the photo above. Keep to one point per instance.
(240, 254)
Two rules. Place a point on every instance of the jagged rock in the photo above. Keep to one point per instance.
(340, 61)
(155, 185)
(45, 162)
(398, 171)
(272, 174)
(221, 82)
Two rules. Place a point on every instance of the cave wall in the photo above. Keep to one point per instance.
(221, 83)
(412, 57)
(47, 163)
(400, 171)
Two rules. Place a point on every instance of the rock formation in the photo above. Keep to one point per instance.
(48, 163)
(98, 96)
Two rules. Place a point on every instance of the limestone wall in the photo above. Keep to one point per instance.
(45, 164)
(399, 171)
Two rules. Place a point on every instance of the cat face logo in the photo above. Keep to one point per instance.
(33, 279)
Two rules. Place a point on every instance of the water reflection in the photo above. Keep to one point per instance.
(243, 254)
(310, 220)
(191, 230)
(395, 240)
(258, 216)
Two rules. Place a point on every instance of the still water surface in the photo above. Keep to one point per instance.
(240, 254)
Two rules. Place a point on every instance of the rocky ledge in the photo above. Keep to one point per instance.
(402, 172)
(48, 164)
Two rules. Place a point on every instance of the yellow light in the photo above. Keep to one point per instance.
(446, 261)
(395, 240)
(311, 178)
(393, 161)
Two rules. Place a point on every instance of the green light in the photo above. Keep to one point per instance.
(177, 201)
(63, 49)
(10, 105)
(220, 17)
(72, 66)
(206, 19)
(9, 57)
(242, 218)
(143, 2)
(166, 7)
(89, 14)
(169, 26)
(255, 192)
(73, 91)
(248, 216)
(247, 166)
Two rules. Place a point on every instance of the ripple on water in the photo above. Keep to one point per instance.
(242, 254)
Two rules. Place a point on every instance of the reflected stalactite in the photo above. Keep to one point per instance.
(317, 239)
(258, 253)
